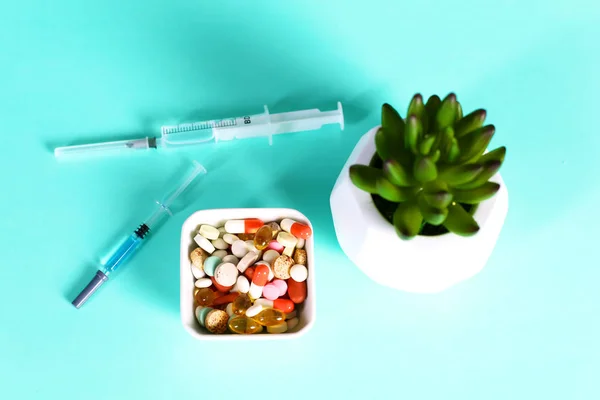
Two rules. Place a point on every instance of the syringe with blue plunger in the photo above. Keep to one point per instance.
(134, 241)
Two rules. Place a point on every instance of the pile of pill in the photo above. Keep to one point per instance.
(250, 275)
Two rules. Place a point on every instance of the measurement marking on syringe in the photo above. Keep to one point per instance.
(196, 126)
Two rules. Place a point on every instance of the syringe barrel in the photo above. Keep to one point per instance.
(123, 252)
(244, 127)
(249, 126)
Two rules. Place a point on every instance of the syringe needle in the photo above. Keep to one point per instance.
(119, 145)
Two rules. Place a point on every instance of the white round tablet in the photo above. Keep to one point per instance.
(242, 285)
(230, 258)
(203, 283)
(209, 232)
(220, 244)
(220, 253)
(270, 256)
(229, 309)
(299, 273)
(197, 272)
(239, 248)
(249, 259)
(230, 238)
(254, 310)
(205, 243)
(251, 247)
(226, 274)
(287, 239)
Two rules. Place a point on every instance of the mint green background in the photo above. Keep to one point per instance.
(527, 327)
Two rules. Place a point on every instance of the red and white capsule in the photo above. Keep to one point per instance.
(259, 280)
(250, 225)
(297, 229)
(285, 305)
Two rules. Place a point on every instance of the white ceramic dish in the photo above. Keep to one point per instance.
(217, 217)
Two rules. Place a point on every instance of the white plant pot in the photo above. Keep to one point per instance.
(424, 264)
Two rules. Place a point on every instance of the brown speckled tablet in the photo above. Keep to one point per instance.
(281, 266)
(300, 256)
(216, 321)
(197, 256)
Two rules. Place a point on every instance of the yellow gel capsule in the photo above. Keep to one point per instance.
(262, 237)
(270, 317)
(244, 325)
(204, 297)
(241, 304)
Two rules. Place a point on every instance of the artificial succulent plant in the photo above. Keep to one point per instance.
(432, 164)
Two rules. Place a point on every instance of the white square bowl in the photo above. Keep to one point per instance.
(306, 312)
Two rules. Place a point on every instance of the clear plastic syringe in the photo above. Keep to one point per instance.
(248, 126)
(133, 242)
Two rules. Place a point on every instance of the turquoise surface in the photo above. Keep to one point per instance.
(527, 327)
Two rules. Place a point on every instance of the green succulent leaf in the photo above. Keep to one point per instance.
(397, 174)
(460, 222)
(439, 199)
(416, 107)
(459, 112)
(474, 144)
(448, 134)
(488, 170)
(388, 144)
(436, 194)
(391, 192)
(425, 170)
(454, 152)
(447, 113)
(432, 215)
(365, 178)
(459, 174)
(445, 141)
(426, 144)
(435, 157)
(469, 123)
(494, 155)
(475, 195)
(431, 107)
(412, 133)
(391, 120)
(407, 220)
